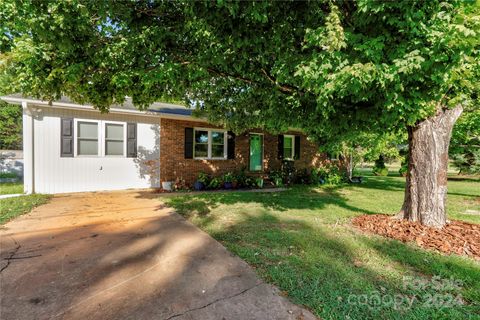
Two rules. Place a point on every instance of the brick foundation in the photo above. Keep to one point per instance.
(174, 165)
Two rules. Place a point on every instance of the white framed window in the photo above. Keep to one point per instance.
(115, 136)
(209, 143)
(87, 136)
(288, 147)
(95, 138)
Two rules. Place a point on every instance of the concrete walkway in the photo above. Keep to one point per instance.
(5, 196)
(123, 255)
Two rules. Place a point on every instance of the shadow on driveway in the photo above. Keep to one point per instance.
(123, 255)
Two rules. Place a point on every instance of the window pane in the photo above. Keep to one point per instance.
(201, 150)
(201, 136)
(88, 130)
(114, 148)
(287, 142)
(114, 131)
(87, 147)
(256, 152)
(217, 151)
(287, 153)
(287, 147)
(217, 137)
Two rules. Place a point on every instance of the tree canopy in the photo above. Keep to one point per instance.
(465, 143)
(328, 67)
(10, 126)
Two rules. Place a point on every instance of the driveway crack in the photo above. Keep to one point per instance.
(12, 254)
(213, 302)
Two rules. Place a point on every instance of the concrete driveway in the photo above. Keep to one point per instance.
(123, 255)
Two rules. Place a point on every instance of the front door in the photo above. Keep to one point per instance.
(256, 152)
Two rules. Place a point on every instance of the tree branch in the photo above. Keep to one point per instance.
(282, 87)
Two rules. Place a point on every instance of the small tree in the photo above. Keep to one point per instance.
(10, 126)
(465, 144)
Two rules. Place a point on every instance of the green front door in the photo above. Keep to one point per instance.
(256, 152)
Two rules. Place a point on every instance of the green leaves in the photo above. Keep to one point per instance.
(10, 126)
(329, 37)
(465, 143)
(330, 68)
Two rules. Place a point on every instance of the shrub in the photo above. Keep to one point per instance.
(203, 178)
(259, 182)
(403, 169)
(228, 177)
(288, 171)
(328, 174)
(302, 176)
(276, 178)
(379, 169)
(180, 185)
(250, 182)
(241, 178)
(8, 175)
(214, 183)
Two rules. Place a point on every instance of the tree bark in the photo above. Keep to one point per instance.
(426, 185)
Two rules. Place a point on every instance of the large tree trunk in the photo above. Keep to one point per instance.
(426, 186)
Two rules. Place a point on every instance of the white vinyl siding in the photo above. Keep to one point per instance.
(55, 174)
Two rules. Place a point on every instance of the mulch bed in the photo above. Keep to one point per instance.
(455, 237)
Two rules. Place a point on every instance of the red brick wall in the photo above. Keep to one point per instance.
(174, 165)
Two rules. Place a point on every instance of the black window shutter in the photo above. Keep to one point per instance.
(66, 147)
(131, 140)
(280, 146)
(230, 145)
(188, 143)
(297, 148)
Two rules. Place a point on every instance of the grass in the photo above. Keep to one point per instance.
(16, 206)
(301, 241)
(11, 188)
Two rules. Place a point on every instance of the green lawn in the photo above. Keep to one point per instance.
(11, 188)
(301, 240)
(13, 207)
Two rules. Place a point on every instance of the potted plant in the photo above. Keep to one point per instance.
(235, 181)
(167, 185)
(202, 181)
(259, 182)
(241, 179)
(215, 183)
(228, 180)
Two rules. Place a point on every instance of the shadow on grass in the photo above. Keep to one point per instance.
(300, 198)
(328, 268)
(397, 183)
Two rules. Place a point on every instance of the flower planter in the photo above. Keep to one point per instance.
(167, 185)
(198, 186)
(228, 185)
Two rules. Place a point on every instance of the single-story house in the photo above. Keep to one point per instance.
(70, 147)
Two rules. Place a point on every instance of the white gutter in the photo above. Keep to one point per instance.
(75, 106)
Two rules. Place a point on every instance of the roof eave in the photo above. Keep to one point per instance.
(75, 106)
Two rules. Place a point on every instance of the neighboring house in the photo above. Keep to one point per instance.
(11, 161)
(70, 147)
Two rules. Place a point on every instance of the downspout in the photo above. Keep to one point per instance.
(31, 119)
(33, 153)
